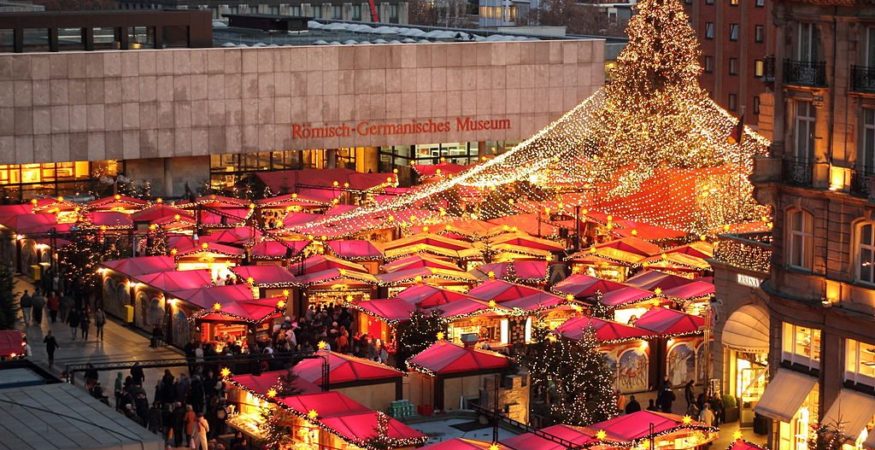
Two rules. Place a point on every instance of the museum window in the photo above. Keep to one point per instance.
(734, 29)
(20, 182)
(759, 68)
(860, 362)
(709, 64)
(709, 30)
(760, 3)
(734, 2)
(733, 66)
(865, 252)
(801, 345)
(800, 239)
(759, 33)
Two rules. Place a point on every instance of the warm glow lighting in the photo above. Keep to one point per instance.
(271, 393)
(286, 292)
(217, 306)
(250, 280)
(312, 414)
(205, 245)
(657, 291)
(322, 345)
(492, 303)
(687, 420)
(736, 435)
(225, 372)
(601, 435)
(280, 304)
(491, 275)
(440, 335)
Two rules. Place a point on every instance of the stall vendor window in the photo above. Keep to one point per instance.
(801, 345)
(860, 362)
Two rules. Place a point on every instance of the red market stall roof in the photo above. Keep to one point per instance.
(269, 276)
(291, 200)
(628, 228)
(638, 426)
(427, 275)
(206, 297)
(501, 291)
(234, 236)
(528, 223)
(261, 384)
(7, 211)
(390, 310)
(527, 241)
(466, 307)
(440, 169)
(606, 331)
(158, 211)
(254, 311)
(109, 219)
(466, 444)
(420, 260)
(625, 296)
(632, 245)
(428, 239)
(699, 249)
(319, 263)
(116, 202)
(34, 223)
(653, 279)
(677, 261)
(741, 444)
(355, 249)
(141, 265)
(578, 436)
(294, 219)
(337, 276)
(669, 322)
(175, 280)
(326, 404)
(446, 358)
(11, 342)
(582, 286)
(211, 249)
(530, 271)
(696, 289)
(535, 302)
(427, 296)
(174, 222)
(268, 249)
(344, 369)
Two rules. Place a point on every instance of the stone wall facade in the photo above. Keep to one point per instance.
(125, 105)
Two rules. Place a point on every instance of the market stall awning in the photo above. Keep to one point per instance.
(267, 276)
(275, 250)
(344, 369)
(319, 263)
(530, 441)
(337, 277)
(582, 286)
(533, 224)
(427, 296)
(359, 428)
(427, 239)
(633, 428)
(158, 211)
(176, 280)
(447, 358)
(677, 261)
(261, 384)
(390, 310)
(852, 411)
(631, 245)
(699, 249)
(670, 322)
(653, 279)
(254, 311)
(530, 271)
(501, 291)
(606, 331)
(440, 169)
(233, 236)
(326, 404)
(109, 219)
(34, 223)
(11, 342)
(466, 444)
(207, 297)
(116, 202)
(526, 240)
(535, 303)
(747, 330)
(741, 444)
(419, 260)
(141, 265)
(355, 249)
(293, 200)
(625, 296)
(467, 306)
(785, 394)
(689, 291)
(211, 250)
(428, 275)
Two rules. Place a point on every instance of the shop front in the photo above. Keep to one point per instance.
(791, 401)
(745, 339)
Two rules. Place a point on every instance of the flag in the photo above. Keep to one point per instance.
(737, 131)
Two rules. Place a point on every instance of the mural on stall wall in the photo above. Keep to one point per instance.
(632, 373)
(700, 365)
(28, 256)
(150, 310)
(115, 296)
(681, 364)
(181, 329)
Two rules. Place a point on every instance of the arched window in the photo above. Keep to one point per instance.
(865, 251)
(800, 239)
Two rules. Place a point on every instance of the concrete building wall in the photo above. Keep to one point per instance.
(185, 103)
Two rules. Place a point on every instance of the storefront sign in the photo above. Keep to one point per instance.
(749, 281)
(367, 128)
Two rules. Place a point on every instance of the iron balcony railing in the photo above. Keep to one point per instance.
(797, 172)
(804, 73)
(863, 79)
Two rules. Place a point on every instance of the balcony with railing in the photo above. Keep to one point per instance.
(863, 79)
(797, 172)
(804, 73)
(747, 251)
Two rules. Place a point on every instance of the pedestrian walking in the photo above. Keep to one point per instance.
(73, 321)
(99, 322)
(137, 374)
(189, 420)
(51, 346)
(118, 387)
(39, 303)
(54, 305)
(689, 395)
(707, 415)
(155, 420)
(67, 304)
(26, 303)
(202, 427)
(84, 324)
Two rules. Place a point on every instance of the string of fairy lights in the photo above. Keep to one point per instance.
(629, 145)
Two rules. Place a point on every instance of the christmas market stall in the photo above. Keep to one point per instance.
(657, 430)
(693, 297)
(267, 281)
(613, 260)
(626, 348)
(150, 292)
(530, 272)
(521, 246)
(330, 420)
(334, 286)
(681, 264)
(681, 341)
(117, 277)
(447, 376)
(224, 315)
(561, 437)
(216, 211)
(419, 260)
(250, 396)
(454, 280)
(519, 308)
(655, 279)
(463, 253)
(467, 444)
(358, 250)
(215, 257)
(368, 382)
(270, 251)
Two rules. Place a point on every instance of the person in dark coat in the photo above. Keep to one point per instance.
(178, 424)
(26, 305)
(689, 395)
(137, 374)
(666, 399)
(39, 303)
(155, 419)
(633, 405)
(51, 346)
(651, 405)
(73, 321)
(84, 324)
(67, 304)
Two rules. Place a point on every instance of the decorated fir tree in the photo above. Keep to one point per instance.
(381, 440)
(574, 375)
(417, 334)
(78, 260)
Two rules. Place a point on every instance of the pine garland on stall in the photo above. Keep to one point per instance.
(276, 427)
(380, 441)
(576, 375)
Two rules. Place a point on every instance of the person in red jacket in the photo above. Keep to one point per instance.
(53, 303)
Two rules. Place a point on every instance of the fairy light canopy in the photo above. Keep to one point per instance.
(651, 139)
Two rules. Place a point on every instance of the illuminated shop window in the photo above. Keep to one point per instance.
(801, 345)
